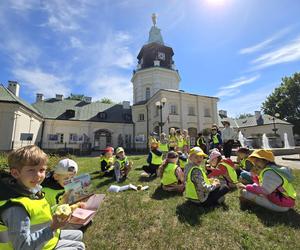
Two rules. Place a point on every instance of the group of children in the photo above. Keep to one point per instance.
(28, 201)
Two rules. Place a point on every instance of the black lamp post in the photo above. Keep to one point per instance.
(274, 123)
(160, 104)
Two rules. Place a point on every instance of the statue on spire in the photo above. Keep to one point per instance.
(154, 18)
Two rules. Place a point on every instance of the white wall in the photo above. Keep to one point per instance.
(6, 124)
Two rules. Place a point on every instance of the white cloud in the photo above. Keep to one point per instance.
(287, 53)
(233, 88)
(37, 81)
(75, 42)
(265, 43)
(247, 103)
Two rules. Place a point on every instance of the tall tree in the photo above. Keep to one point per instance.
(243, 116)
(285, 100)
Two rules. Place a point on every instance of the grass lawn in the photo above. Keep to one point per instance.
(156, 219)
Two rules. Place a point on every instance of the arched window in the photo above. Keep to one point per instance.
(147, 93)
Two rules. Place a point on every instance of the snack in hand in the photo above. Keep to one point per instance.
(74, 206)
(63, 211)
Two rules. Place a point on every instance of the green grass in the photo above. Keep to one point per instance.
(155, 219)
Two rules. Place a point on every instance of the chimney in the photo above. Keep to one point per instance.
(126, 105)
(223, 113)
(59, 97)
(87, 99)
(14, 87)
(39, 97)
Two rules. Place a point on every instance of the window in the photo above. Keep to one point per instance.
(191, 111)
(102, 115)
(141, 117)
(52, 137)
(147, 93)
(73, 138)
(60, 138)
(207, 112)
(173, 109)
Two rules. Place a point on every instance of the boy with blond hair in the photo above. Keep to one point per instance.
(26, 221)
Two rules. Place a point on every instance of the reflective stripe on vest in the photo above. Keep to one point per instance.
(288, 189)
(186, 141)
(231, 172)
(182, 163)
(215, 139)
(163, 147)
(156, 160)
(200, 141)
(122, 163)
(243, 163)
(169, 176)
(190, 190)
(40, 217)
(53, 196)
(109, 161)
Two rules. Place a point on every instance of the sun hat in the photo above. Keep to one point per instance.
(197, 151)
(108, 149)
(262, 154)
(226, 122)
(119, 150)
(214, 154)
(66, 166)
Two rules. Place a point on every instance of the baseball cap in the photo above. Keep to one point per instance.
(197, 151)
(119, 149)
(66, 166)
(108, 149)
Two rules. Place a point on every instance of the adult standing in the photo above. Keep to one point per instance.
(228, 137)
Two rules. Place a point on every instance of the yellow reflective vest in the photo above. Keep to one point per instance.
(40, 217)
(288, 188)
(180, 141)
(190, 190)
(169, 176)
(231, 172)
(163, 147)
(109, 162)
(53, 196)
(172, 141)
(122, 163)
(155, 159)
(182, 163)
(215, 139)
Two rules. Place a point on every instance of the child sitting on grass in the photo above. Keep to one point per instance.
(25, 215)
(122, 165)
(107, 162)
(273, 189)
(244, 165)
(171, 175)
(222, 168)
(154, 159)
(198, 188)
(182, 159)
(53, 185)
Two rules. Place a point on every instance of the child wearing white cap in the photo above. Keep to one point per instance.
(122, 165)
(53, 185)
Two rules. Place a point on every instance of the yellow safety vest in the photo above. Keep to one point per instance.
(190, 190)
(243, 163)
(182, 163)
(231, 172)
(169, 176)
(200, 141)
(215, 139)
(180, 141)
(156, 160)
(108, 162)
(288, 188)
(163, 147)
(122, 163)
(53, 196)
(172, 141)
(40, 217)
(186, 142)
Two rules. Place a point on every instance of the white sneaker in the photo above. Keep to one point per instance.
(144, 174)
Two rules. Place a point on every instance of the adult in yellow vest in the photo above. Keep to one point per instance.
(172, 177)
(215, 139)
(198, 187)
(179, 140)
(274, 189)
(26, 221)
(224, 168)
(154, 159)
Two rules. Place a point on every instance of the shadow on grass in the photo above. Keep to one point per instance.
(138, 169)
(147, 179)
(191, 213)
(160, 194)
(104, 183)
(269, 218)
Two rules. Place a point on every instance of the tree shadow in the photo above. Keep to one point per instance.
(270, 218)
(160, 194)
(147, 179)
(138, 169)
(189, 212)
(104, 183)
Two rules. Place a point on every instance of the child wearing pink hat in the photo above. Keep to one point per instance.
(222, 167)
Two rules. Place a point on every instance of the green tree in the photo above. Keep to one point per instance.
(285, 100)
(243, 116)
(106, 100)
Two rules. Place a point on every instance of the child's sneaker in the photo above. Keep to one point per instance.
(144, 174)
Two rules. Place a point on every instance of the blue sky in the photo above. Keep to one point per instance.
(237, 50)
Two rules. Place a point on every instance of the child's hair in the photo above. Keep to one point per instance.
(30, 155)
(178, 131)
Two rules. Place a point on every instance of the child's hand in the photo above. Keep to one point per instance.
(240, 185)
(65, 198)
(58, 222)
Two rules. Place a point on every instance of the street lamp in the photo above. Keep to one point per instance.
(160, 104)
(274, 123)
